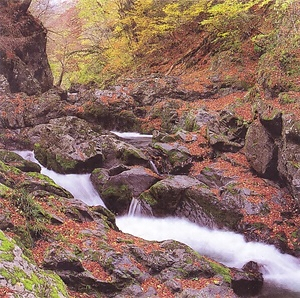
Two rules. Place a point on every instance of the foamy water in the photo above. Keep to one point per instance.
(281, 270)
(79, 185)
(226, 247)
(130, 135)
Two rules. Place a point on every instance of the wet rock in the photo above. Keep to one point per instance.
(165, 195)
(31, 181)
(118, 191)
(248, 282)
(187, 197)
(15, 160)
(67, 145)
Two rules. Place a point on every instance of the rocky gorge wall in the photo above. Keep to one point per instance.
(23, 58)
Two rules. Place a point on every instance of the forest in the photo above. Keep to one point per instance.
(102, 40)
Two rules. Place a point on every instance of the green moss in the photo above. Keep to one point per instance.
(60, 286)
(9, 257)
(6, 244)
(5, 192)
(221, 270)
(38, 284)
(148, 198)
(65, 163)
(131, 155)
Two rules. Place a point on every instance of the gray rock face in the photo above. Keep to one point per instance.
(261, 150)
(289, 155)
(23, 56)
(187, 197)
(67, 145)
(226, 133)
(273, 149)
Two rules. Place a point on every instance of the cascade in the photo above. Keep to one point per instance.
(154, 168)
(79, 185)
(135, 208)
(130, 135)
(279, 270)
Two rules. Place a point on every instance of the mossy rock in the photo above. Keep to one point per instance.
(13, 159)
(117, 198)
(22, 277)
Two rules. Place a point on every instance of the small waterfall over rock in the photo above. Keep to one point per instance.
(79, 185)
(135, 208)
(153, 167)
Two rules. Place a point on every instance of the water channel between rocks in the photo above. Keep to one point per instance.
(281, 271)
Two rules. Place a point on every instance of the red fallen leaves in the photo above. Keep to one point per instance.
(161, 289)
(96, 270)
(5, 292)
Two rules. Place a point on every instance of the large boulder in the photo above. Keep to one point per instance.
(118, 190)
(67, 145)
(289, 155)
(70, 145)
(227, 132)
(23, 57)
(187, 197)
(174, 157)
(261, 150)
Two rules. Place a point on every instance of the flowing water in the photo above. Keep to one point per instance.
(79, 185)
(281, 271)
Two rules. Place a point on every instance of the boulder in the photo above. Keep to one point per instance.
(187, 197)
(118, 190)
(248, 282)
(67, 145)
(70, 145)
(174, 158)
(261, 150)
(289, 156)
(227, 132)
(15, 160)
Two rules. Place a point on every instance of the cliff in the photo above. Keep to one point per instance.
(23, 58)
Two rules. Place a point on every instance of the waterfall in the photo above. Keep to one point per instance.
(281, 270)
(153, 167)
(79, 185)
(135, 207)
(130, 135)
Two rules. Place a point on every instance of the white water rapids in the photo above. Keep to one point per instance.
(79, 185)
(281, 271)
